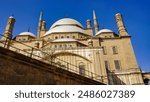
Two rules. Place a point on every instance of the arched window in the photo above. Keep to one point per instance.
(56, 37)
(70, 45)
(81, 68)
(65, 45)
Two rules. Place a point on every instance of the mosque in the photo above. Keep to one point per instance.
(68, 43)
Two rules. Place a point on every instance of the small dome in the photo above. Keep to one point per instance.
(104, 31)
(90, 40)
(66, 21)
(65, 40)
(11, 17)
(117, 14)
(61, 29)
(27, 33)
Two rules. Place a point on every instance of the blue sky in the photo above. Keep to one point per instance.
(136, 15)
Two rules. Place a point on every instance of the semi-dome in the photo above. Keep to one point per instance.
(65, 40)
(104, 31)
(66, 21)
(27, 33)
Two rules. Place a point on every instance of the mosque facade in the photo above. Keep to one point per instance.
(99, 53)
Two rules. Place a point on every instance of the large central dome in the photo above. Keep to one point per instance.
(66, 21)
(65, 25)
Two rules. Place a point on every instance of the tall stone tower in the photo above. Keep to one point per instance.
(96, 26)
(88, 22)
(40, 25)
(128, 56)
(7, 35)
(120, 24)
(89, 29)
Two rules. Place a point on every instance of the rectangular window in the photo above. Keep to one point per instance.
(82, 68)
(115, 50)
(104, 50)
(117, 64)
(106, 65)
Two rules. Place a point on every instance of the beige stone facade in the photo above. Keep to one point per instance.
(99, 53)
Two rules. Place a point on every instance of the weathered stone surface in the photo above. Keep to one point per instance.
(17, 69)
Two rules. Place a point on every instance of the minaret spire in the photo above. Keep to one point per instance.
(96, 26)
(40, 24)
(94, 15)
(41, 16)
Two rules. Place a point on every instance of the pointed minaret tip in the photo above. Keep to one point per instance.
(94, 14)
(40, 24)
(96, 25)
(41, 15)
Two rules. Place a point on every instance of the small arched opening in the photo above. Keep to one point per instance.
(82, 68)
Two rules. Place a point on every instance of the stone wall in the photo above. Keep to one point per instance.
(17, 69)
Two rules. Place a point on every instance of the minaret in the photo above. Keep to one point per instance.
(7, 35)
(43, 27)
(89, 29)
(120, 24)
(96, 26)
(40, 24)
(88, 23)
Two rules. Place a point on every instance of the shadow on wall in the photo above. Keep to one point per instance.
(113, 79)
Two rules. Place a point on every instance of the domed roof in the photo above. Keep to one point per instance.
(65, 28)
(27, 33)
(104, 31)
(11, 17)
(64, 40)
(66, 21)
(117, 14)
